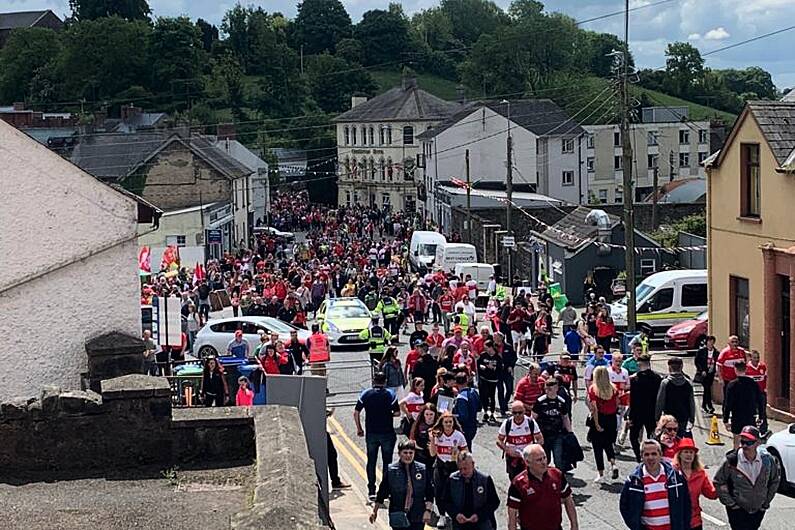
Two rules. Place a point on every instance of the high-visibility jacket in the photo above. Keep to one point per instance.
(377, 337)
(318, 348)
(463, 320)
(387, 307)
(501, 293)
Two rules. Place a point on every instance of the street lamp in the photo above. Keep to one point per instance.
(509, 190)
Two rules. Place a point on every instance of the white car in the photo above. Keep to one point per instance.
(275, 232)
(214, 337)
(781, 447)
(342, 320)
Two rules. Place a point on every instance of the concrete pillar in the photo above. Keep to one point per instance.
(113, 355)
(772, 339)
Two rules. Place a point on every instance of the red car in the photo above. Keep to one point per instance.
(688, 335)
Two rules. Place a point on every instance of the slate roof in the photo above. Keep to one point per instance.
(20, 19)
(115, 156)
(540, 116)
(776, 119)
(572, 232)
(400, 104)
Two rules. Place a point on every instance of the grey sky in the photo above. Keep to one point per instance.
(708, 24)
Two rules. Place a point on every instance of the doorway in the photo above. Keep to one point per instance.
(784, 284)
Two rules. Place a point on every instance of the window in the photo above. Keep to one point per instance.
(684, 137)
(619, 195)
(651, 137)
(347, 135)
(749, 181)
(389, 135)
(648, 266)
(372, 169)
(590, 164)
(385, 200)
(653, 161)
(381, 133)
(353, 135)
(589, 141)
(567, 145)
(348, 198)
(618, 162)
(739, 318)
(372, 135)
(408, 135)
(701, 157)
(617, 139)
(364, 135)
(659, 301)
(354, 168)
(694, 294)
(175, 240)
(603, 196)
(226, 327)
(568, 178)
(382, 167)
(703, 136)
(684, 159)
(356, 197)
(389, 169)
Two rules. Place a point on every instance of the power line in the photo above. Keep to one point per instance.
(621, 12)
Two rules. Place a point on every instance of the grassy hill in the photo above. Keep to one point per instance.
(571, 100)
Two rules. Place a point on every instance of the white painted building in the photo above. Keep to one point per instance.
(256, 186)
(663, 143)
(547, 151)
(377, 145)
(70, 271)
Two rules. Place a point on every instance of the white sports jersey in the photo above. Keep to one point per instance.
(445, 445)
(521, 435)
(414, 404)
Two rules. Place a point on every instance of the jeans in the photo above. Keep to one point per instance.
(505, 389)
(553, 445)
(204, 310)
(739, 519)
(384, 442)
(469, 436)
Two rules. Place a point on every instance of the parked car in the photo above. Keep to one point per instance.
(688, 335)
(342, 319)
(275, 232)
(781, 447)
(214, 337)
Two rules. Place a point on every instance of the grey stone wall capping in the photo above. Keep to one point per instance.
(113, 344)
(135, 386)
(193, 418)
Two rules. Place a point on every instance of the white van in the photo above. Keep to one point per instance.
(480, 272)
(664, 299)
(422, 249)
(451, 254)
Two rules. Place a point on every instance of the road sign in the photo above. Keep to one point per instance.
(214, 237)
(508, 241)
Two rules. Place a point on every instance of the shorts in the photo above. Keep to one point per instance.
(516, 336)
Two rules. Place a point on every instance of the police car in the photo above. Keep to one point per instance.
(342, 320)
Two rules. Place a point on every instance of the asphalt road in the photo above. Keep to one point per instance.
(597, 504)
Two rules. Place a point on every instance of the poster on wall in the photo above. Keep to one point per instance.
(169, 321)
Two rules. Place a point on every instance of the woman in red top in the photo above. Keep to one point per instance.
(605, 330)
(271, 360)
(667, 427)
(698, 482)
(603, 402)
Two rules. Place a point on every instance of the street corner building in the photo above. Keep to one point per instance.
(69, 259)
(751, 241)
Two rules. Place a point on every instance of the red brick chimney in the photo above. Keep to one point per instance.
(226, 131)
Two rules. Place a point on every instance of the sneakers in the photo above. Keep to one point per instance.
(341, 486)
(442, 523)
(371, 497)
(623, 438)
(614, 473)
(598, 479)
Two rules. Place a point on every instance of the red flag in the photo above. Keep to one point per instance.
(198, 273)
(170, 257)
(145, 259)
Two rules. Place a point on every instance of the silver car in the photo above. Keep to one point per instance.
(215, 336)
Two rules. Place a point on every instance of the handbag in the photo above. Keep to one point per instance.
(399, 520)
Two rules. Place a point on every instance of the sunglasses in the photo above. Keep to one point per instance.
(517, 412)
(671, 429)
(747, 443)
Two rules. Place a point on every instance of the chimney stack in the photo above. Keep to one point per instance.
(19, 106)
(357, 100)
(226, 131)
(127, 112)
(460, 94)
(408, 81)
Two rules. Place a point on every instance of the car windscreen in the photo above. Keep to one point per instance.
(348, 311)
(427, 249)
(642, 291)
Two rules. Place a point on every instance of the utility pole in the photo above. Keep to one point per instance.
(629, 195)
(469, 201)
(509, 193)
(655, 185)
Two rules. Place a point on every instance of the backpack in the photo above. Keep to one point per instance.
(507, 428)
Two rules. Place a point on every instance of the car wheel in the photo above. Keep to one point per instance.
(207, 351)
(783, 486)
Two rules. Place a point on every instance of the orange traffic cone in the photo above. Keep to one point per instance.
(714, 437)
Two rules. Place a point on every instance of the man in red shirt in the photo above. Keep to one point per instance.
(446, 302)
(757, 370)
(730, 355)
(530, 387)
(538, 490)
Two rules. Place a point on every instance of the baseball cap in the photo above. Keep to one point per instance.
(750, 433)
(686, 443)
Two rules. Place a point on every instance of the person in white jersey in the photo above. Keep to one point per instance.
(516, 433)
(446, 442)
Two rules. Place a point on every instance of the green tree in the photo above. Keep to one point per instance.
(684, 68)
(226, 81)
(94, 9)
(102, 57)
(209, 34)
(524, 9)
(497, 64)
(350, 50)
(320, 25)
(332, 82)
(177, 55)
(750, 80)
(384, 35)
(472, 18)
(26, 52)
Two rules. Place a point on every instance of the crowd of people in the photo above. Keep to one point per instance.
(461, 374)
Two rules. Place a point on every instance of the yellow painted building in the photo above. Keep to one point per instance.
(751, 241)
